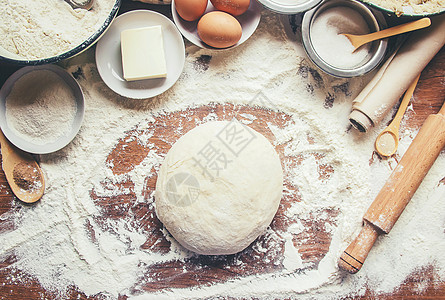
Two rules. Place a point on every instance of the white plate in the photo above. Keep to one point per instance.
(109, 58)
(62, 141)
(289, 7)
(249, 22)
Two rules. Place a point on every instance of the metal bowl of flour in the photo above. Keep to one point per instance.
(15, 58)
(374, 20)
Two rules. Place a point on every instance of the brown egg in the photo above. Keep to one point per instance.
(190, 10)
(233, 7)
(219, 29)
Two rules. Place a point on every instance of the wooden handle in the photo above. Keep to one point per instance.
(408, 175)
(6, 149)
(399, 29)
(442, 111)
(353, 257)
(11, 157)
(405, 101)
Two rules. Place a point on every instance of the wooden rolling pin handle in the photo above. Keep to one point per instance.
(353, 257)
(442, 110)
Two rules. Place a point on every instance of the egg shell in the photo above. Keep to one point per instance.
(219, 29)
(233, 7)
(190, 10)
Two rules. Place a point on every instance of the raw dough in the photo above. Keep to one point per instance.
(219, 188)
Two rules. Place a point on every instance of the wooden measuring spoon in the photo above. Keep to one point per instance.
(359, 40)
(387, 141)
(22, 172)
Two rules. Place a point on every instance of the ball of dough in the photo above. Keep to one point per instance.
(219, 188)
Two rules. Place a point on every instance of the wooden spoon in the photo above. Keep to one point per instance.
(388, 140)
(359, 40)
(22, 172)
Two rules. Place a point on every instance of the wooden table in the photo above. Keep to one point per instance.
(429, 97)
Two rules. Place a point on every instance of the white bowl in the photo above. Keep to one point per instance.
(289, 7)
(249, 22)
(63, 140)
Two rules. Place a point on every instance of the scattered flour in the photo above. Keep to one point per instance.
(292, 259)
(45, 28)
(66, 240)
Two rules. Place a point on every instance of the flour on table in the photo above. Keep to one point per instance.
(292, 259)
(62, 241)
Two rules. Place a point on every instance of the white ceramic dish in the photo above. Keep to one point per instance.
(289, 7)
(109, 58)
(249, 22)
(62, 141)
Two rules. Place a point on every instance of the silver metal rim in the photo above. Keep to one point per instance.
(334, 71)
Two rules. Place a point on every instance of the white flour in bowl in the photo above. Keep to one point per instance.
(411, 6)
(45, 28)
(326, 35)
(52, 242)
(40, 107)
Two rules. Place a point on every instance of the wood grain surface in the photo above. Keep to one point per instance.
(312, 244)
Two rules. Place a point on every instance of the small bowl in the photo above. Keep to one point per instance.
(375, 21)
(249, 22)
(63, 140)
(16, 59)
(289, 7)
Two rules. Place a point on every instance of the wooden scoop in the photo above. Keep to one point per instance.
(359, 40)
(387, 141)
(397, 191)
(22, 172)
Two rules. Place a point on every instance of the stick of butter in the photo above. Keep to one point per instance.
(143, 53)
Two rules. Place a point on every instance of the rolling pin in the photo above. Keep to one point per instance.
(397, 191)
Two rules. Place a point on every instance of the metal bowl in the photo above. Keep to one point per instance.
(375, 21)
(288, 7)
(15, 59)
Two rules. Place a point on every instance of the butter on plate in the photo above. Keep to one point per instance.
(143, 53)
